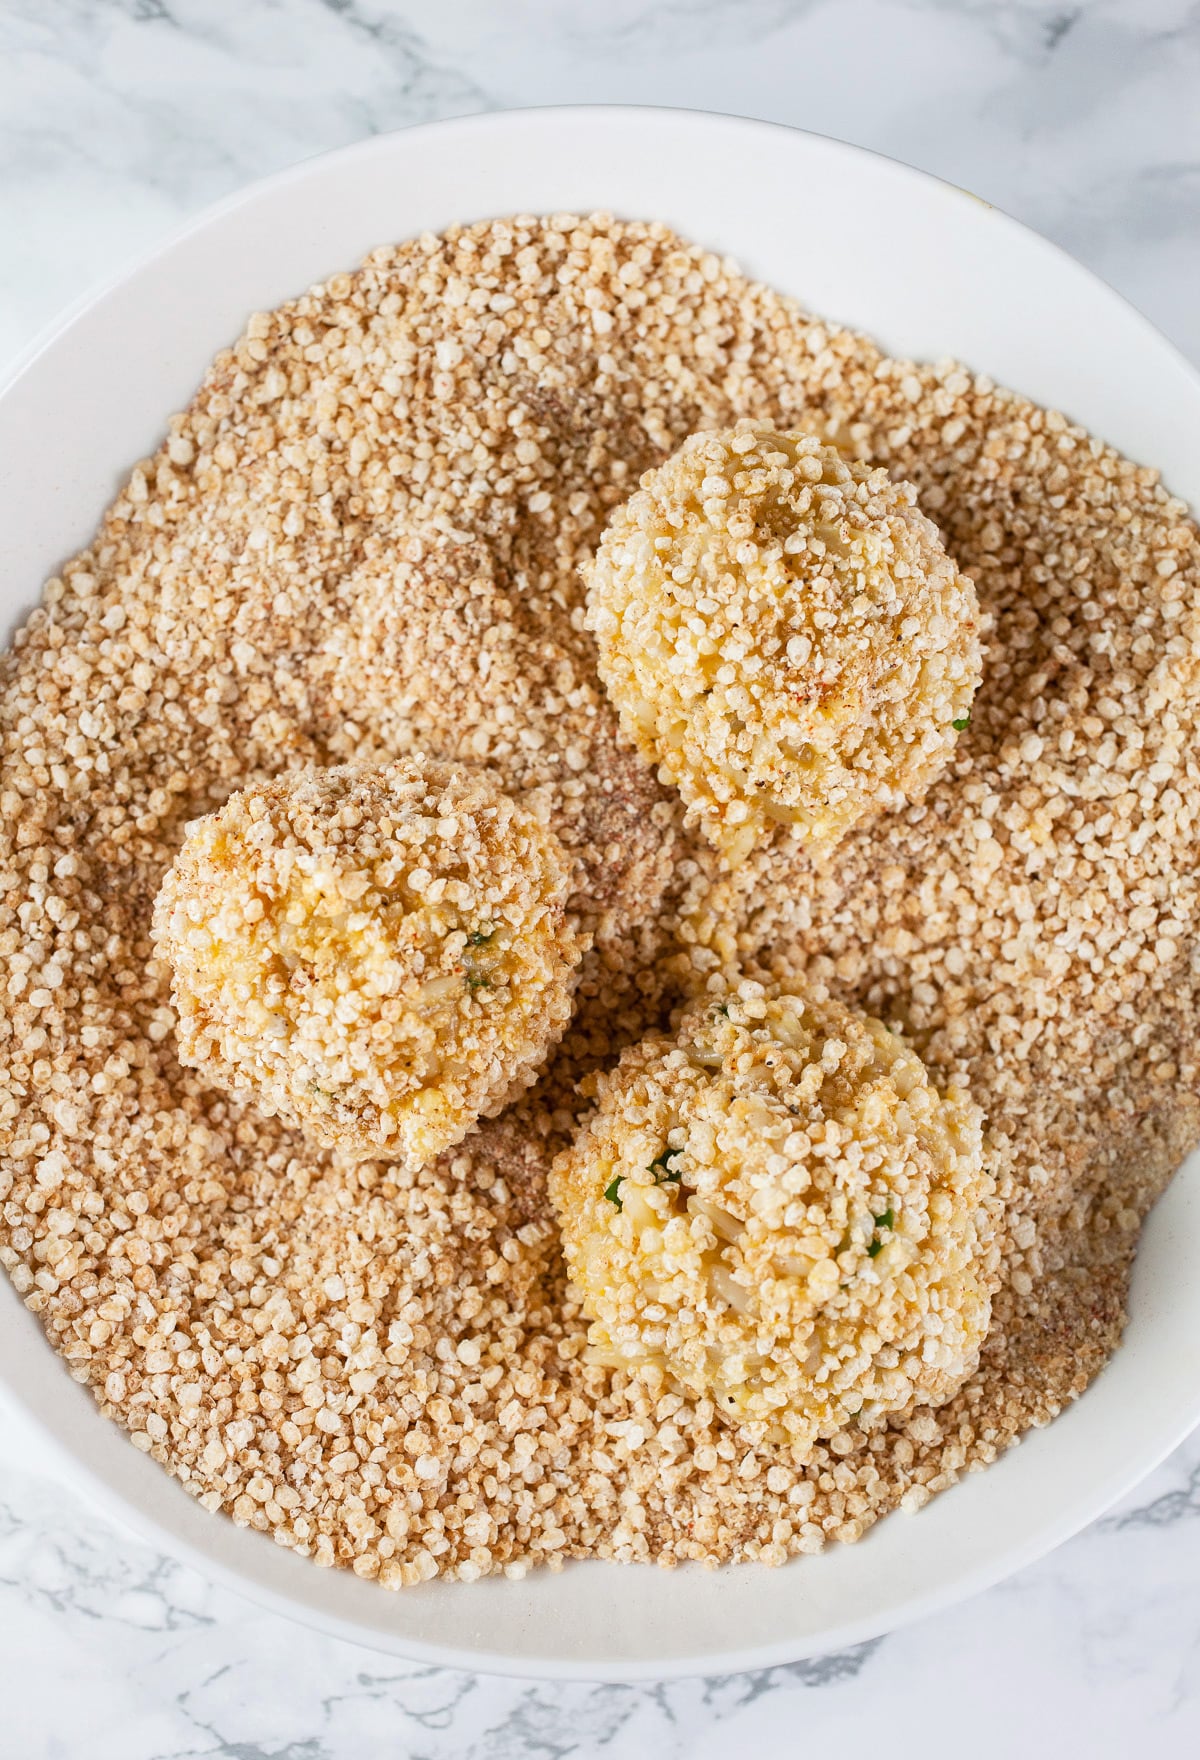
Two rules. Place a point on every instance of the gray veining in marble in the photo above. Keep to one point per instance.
(120, 118)
(127, 1656)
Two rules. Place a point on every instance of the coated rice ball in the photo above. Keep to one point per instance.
(777, 1210)
(379, 955)
(783, 633)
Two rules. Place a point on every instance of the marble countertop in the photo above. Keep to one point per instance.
(119, 118)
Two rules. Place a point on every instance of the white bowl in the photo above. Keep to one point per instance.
(929, 271)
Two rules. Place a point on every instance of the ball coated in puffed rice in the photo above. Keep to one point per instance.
(379, 955)
(777, 1210)
(783, 633)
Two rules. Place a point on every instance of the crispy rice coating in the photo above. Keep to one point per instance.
(380, 956)
(777, 1209)
(381, 1369)
(783, 633)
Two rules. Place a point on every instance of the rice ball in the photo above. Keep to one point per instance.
(378, 955)
(783, 633)
(777, 1210)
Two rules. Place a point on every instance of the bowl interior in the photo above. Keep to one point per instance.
(927, 270)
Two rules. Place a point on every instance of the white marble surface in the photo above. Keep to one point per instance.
(118, 118)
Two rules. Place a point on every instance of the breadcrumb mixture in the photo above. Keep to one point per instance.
(776, 1209)
(783, 632)
(363, 539)
(379, 955)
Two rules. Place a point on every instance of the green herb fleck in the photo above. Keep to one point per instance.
(613, 1193)
(962, 722)
(723, 1009)
(323, 1092)
(664, 1168)
(476, 981)
(887, 1220)
(480, 937)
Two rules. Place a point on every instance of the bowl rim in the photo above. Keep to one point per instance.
(370, 145)
(103, 1492)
